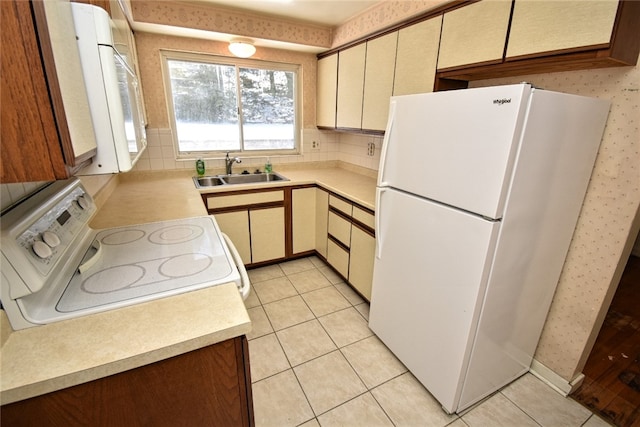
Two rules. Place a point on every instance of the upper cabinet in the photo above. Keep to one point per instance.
(378, 81)
(548, 36)
(474, 34)
(351, 64)
(540, 27)
(44, 137)
(416, 57)
(327, 84)
(468, 40)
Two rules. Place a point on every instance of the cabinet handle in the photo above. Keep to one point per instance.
(378, 216)
(385, 143)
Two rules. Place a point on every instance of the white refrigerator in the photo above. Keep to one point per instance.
(479, 191)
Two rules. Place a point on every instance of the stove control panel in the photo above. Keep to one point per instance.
(46, 240)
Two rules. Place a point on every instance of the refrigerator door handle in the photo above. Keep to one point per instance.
(378, 221)
(385, 143)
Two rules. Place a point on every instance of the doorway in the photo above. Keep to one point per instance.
(611, 387)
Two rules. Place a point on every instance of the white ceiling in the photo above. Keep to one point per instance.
(324, 12)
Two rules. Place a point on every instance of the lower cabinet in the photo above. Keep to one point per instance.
(236, 226)
(210, 386)
(267, 234)
(255, 221)
(351, 243)
(275, 224)
(362, 253)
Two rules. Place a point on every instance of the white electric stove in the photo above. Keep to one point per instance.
(55, 267)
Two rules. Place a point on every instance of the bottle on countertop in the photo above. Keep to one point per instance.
(200, 167)
(268, 168)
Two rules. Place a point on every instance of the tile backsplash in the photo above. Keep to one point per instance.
(317, 145)
(13, 193)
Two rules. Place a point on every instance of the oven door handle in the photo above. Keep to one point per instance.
(95, 257)
(245, 285)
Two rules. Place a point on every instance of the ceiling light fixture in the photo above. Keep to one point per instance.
(242, 48)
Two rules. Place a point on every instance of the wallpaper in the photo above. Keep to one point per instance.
(222, 20)
(380, 16)
(589, 277)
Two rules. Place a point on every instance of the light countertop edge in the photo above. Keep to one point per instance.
(43, 359)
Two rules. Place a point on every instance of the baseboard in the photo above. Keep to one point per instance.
(554, 380)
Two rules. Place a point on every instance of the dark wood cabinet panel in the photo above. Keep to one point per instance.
(36, 140)
(206, 387)
(30, 142)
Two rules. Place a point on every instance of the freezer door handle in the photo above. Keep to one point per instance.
(385, 143)
(378, 221)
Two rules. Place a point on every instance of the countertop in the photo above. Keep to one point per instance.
(51, 357)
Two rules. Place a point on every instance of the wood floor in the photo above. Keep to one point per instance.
(612, 375)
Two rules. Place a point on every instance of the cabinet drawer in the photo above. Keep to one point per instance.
(340, 205)
(340, 228)
(338, 258)
(364, 217)
(216, 202)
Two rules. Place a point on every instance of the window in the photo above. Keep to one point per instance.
(221, 104)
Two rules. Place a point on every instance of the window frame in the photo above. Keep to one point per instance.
(206, 58)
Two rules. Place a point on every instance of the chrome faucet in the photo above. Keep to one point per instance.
(228, 161)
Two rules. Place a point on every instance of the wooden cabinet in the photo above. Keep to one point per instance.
(361, 258)
(210, 386)
(236, 226)
(475, 33)
(254, 220)
(351, 64)
(267, 227)
(326, 90)
(541, 27)
(38, 132)
(417, 57)
(351, 243)
(378, 81)
(322, 221)
(548, 36)
(303, 218)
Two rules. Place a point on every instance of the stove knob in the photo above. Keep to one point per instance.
(41, 249)
(82, 202)
(51, 238)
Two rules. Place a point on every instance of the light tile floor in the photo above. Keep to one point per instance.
(315, 362)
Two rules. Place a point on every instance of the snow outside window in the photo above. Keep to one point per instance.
(218, 104)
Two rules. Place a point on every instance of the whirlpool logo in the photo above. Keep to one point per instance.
(502, 101)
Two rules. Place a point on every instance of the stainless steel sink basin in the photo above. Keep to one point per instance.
(207, 181)
(253, 178)
(256, 178)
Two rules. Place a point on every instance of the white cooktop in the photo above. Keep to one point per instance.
(144, 262)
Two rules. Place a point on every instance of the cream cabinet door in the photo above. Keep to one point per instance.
(267, 234)
(322, 218)
(303, 217)
(363, 246)
(378, 81)
(544, 26)
(338, 258)
(416, 57)
(350, 87)
(70, 78)
(236, 226)
(475, 33)
(327, 83)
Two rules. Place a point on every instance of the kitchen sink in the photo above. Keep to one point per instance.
(207, 181)
(255, 178)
